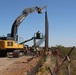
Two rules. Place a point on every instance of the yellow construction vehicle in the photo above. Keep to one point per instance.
(9, 43)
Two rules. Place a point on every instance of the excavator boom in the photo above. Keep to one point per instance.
(22, 17)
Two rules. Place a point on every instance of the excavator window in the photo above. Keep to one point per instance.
(9, 43)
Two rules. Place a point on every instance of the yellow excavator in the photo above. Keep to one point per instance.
(10, 43)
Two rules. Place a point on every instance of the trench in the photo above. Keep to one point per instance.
(38, 65)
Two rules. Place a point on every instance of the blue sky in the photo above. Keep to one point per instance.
(61, 16)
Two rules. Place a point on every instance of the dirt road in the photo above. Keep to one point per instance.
(17, 66)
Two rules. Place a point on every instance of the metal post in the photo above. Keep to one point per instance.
(46, 31)
(34, 42)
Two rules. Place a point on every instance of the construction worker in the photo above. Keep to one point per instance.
(25, 50)
(38, 51)
(38, 34)
(34, 50)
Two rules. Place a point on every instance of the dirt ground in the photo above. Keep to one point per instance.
(43, 70)
(17, 66)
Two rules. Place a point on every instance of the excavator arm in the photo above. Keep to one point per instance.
(27, 40)
(19, 19)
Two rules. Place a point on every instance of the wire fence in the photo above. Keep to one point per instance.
(59, 64)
